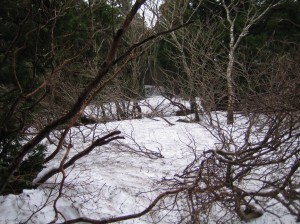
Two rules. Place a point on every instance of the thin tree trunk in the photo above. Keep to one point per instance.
(137, 110)
(230, 102)
(194, 109)
(120, 113)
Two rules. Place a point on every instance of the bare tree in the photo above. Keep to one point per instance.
(252, 12)
(247, 171)
(255, 162)
(172, 13)
(196, 60)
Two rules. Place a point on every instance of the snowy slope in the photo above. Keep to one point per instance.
(117, 179)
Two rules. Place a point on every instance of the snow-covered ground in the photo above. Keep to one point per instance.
(118, 178)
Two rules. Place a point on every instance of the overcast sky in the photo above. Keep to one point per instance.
(149, 9)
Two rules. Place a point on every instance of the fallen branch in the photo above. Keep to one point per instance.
(126, 217)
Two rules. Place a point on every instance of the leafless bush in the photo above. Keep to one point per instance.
(254, 166)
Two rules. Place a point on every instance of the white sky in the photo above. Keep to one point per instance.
(150, 10)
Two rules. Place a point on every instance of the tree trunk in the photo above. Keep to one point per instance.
(120, 113)
(230, 102)
(137, 111)
(194, 109)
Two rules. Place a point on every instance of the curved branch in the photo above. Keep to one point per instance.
(136, 45)
(127, 217)
(99, 142)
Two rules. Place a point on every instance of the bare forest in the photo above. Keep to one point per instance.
(189, 109)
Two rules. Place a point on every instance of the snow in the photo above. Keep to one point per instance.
(118, 179)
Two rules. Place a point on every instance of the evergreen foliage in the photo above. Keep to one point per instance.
(28, 169)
